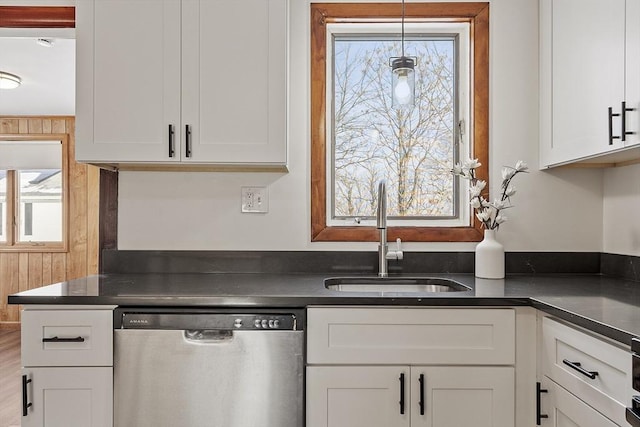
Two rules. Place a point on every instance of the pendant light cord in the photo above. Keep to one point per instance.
(402, 41)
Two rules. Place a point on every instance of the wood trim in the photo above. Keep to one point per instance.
(10, 209)
(37, 16)
(477, 14)
(108, 236)
(449, 11)
(10, 326)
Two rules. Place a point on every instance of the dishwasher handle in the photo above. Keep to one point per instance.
(208, 335)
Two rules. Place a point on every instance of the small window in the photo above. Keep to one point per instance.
(357, 139)
(32, 194)
(411, 149)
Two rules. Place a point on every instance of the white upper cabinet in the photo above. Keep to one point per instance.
(182, 81)
(588, 68)
(234, 80)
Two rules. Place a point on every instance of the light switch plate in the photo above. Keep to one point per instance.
(255, 200)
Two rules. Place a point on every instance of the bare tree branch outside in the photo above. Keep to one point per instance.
(412, 149)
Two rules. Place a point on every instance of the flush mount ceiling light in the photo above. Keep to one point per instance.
(9, 81)
(403, 77)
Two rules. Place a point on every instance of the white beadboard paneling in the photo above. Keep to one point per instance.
(560, 210)
(621, 227)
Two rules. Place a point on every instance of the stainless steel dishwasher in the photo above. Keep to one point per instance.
(206, 368)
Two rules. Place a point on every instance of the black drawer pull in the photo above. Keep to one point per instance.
(421, 402)
(578, 367)
(56, 339)
(25, 399)
(401, 393)
(539, 414)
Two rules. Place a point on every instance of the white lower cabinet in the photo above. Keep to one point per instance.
(563, 409)
(67, 359)
(395, 396)
(587, 378)
(64, 397)
(410, 366)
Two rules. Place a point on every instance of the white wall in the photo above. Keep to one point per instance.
(621, 219)
(559, 210)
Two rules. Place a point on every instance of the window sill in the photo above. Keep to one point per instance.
(407, 234)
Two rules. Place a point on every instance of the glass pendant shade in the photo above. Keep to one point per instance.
(9, 81)
(403, 82)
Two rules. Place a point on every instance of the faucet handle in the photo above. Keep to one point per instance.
(397, 254)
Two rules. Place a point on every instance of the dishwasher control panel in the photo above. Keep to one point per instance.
(202, 321)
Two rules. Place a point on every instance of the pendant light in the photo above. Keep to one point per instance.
(403, 77)
(9, 81)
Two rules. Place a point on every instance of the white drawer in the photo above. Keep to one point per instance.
(610, 391)
(84, 338)
(564, 409)
(458, 336)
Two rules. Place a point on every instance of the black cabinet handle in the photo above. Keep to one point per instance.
(421, 402)
(611, 116)
(539, 415)
(625, 110)
(187, 150)
(171, 133)
(25, 399)
(402, 393)
(56, 339)
(578, 367)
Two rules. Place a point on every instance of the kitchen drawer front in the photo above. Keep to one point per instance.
(84, 338)
(565, 410)
(610, 391)
(456, 336)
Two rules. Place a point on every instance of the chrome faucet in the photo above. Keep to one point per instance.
(381, 224)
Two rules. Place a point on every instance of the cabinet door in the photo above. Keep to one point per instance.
(64, 397)
(234, 80)
(582, 74)
(357, 396)
(128, 80)
(632, 89)
(566, 410)
(462, 396)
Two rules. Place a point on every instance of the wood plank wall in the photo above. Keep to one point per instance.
(20, 271)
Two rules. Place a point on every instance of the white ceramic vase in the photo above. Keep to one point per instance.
(490, 257)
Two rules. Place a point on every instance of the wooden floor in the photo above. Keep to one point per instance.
(10, 378)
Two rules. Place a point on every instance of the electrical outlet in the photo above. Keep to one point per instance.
(255, 200)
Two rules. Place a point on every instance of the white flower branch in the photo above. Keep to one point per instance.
(489, 214)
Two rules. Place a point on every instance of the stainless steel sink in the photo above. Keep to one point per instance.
(414, 285)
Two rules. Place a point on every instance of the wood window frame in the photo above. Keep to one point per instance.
(12, 244)
(37, 16)
(477, 15)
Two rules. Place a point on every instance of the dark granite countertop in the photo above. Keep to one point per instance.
(603, 304)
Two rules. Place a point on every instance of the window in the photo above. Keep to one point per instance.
(357, 139)
(32, 193)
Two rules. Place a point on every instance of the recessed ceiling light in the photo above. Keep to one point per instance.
(9, 81)
(45, 42)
